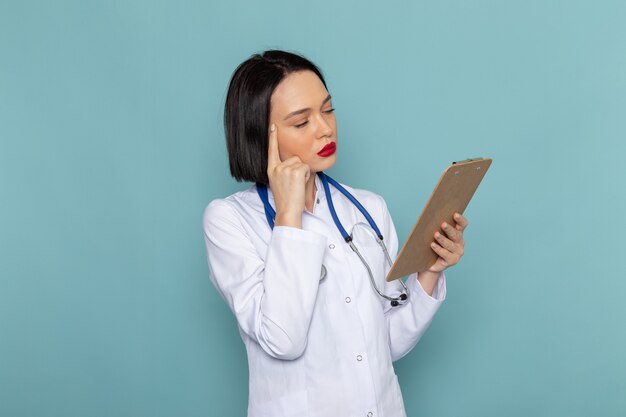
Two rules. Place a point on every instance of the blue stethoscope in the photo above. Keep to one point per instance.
(371, 228)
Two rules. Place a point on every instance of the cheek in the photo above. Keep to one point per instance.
(288, 146)
(283, 152)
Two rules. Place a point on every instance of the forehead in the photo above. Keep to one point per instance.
(298, 90)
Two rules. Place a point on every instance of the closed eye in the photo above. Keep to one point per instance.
(304, 123)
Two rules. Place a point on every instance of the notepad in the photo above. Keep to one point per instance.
(453, 192)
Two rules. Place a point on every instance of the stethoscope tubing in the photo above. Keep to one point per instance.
(371, 227)
(325, 180)
(395, 301)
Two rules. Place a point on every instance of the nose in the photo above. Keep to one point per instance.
(324, 128)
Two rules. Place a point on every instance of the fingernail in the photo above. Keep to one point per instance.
(433, 245)
(272, 127)
(457, 216)
(445, 225)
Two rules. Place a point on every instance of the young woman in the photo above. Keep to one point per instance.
(320, 338)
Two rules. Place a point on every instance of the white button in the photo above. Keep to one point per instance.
(331, 246)
(370, 414)
(348, 299)
(359, 358)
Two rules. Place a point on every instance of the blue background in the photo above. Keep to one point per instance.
(112, 145)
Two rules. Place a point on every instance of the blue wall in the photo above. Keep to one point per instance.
(112, 145)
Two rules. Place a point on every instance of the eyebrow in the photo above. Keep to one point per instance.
(297, 112)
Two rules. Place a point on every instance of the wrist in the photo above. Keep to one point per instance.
(428, 280)
(428, 275)
(288, 219)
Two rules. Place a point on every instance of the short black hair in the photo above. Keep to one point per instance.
(247, 110)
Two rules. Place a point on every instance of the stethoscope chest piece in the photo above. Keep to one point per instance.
(323, 274)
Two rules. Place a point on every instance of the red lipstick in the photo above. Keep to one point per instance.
(328, 150)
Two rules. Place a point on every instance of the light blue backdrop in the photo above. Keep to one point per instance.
(112, 145)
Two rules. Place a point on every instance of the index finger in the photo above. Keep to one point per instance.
(273, 157)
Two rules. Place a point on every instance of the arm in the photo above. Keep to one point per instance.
(426, 292)
(272, 299)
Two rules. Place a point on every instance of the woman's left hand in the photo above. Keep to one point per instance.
(450, 247)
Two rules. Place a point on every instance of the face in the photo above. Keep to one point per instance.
(302, 112)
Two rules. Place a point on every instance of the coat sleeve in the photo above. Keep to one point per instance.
(407, 323)
(272, 298)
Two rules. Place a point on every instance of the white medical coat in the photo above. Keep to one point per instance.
(315, 349)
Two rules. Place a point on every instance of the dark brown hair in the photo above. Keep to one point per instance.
(247, 110)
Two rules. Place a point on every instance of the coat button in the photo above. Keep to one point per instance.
(359, 358)
(331, 246)
(370, 414)
(348, 299)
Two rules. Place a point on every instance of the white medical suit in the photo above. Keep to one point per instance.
(315, 348)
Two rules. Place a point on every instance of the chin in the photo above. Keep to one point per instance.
(327, 163)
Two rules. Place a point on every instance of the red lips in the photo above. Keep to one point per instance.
(328, 150)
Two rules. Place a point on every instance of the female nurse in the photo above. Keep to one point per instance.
(316, 347)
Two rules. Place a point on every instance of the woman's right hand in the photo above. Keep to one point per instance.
(287, 182)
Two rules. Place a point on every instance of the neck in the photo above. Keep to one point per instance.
(309, 192)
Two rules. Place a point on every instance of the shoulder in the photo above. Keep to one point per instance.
(231, 209)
